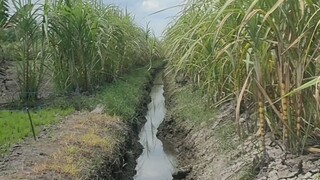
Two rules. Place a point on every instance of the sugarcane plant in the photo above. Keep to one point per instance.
(80, 44)
(257, 52)
(30, 50)
(91, 43)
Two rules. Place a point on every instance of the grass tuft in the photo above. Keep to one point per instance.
(226, 134)
(193, 106)
(124, 97)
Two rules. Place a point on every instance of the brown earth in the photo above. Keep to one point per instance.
(202, 150)
(8, 86)
(83, 146)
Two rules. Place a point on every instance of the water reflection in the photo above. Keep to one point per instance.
(157, 161)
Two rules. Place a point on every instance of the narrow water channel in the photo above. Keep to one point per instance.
(157, 161)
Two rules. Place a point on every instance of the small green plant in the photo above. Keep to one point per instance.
(15, 126)
(124, 96)
(249, 174)
(226, 134)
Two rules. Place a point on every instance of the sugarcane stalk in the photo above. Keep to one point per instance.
(317, 97)
(262, 122)
(284, 104)
(299, 115)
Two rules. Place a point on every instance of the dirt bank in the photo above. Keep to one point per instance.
(85, 145)
(207, 144)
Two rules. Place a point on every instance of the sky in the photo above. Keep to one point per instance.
(142, 11)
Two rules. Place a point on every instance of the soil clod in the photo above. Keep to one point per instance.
(182, 173)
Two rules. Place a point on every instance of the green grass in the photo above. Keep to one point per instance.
(226, 134)
(123, 97)
(191, 106)
(15, 125)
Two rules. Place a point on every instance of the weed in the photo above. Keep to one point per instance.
(193, 106)
(249, 174)
(226, 136)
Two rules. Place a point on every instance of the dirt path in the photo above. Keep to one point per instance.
(83, 146)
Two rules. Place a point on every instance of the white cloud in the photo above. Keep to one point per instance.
(151, 5)
(142, 11)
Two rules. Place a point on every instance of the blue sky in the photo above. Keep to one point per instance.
(142, 11)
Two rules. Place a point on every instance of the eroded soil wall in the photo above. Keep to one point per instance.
(204, 147)
(207, 144)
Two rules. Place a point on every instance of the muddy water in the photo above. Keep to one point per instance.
(157, 161)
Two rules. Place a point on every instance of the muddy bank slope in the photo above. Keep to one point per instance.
(205, 138)
(207, 144)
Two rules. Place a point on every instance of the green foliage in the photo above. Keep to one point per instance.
(192, 106)
(3, 20)
(83, 44)
(192, 103)
(266, 48)
(92, 44)
(121, 98)
(15, 125)
(226, 134)
(3, 13)
(30, 50)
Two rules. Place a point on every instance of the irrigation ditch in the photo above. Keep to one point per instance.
(208, 147)
(58, 68)
(175, 132)
(158, 159)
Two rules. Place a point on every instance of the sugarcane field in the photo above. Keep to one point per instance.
(160, 90)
